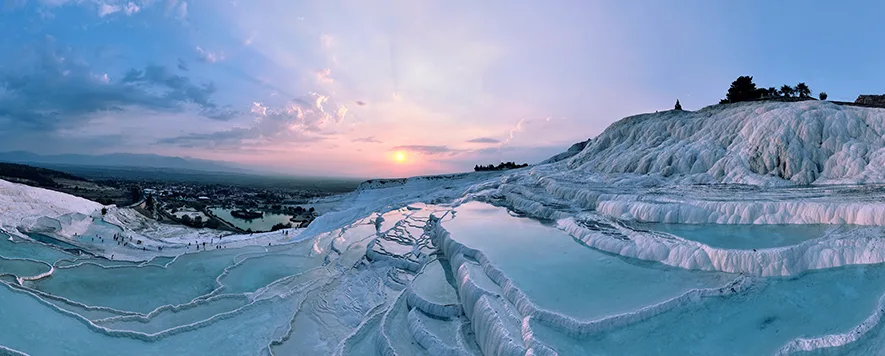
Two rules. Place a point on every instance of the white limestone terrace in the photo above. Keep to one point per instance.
(79, 223)
(368, 287)
(379, 275)
(25, 207)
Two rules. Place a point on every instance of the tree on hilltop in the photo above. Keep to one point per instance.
(678, 106)
(742, 89)
(822, 95)
(787, 91)
(803, 90)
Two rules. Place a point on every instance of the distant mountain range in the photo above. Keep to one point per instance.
(123, 160)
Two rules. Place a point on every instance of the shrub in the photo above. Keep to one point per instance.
(500, 167)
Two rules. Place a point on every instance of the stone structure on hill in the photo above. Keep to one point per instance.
(872, 100)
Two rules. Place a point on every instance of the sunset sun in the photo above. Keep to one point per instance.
(399, 156)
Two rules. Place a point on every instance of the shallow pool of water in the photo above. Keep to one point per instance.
(140, 288)
(22, 268)
(27, 249)
(560, 274)
(758, 322)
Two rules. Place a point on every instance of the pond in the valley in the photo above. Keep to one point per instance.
(264, 223)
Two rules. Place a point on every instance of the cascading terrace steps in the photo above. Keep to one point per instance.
(436, 326)
(579, 329)
(502, 314)
(362, 340)
(391, 338)
(163, 319)
(827, 252)
(437, 335)
(496, 326)
(428, 294)
(401, 280)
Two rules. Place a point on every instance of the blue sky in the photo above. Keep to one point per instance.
(339, 87)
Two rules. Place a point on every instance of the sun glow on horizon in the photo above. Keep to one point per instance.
(399, 156)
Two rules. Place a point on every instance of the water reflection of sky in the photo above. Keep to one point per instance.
(261, 224)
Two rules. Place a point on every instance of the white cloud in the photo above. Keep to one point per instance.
(104, 7)
(259, 108)
(107, 9)
(342, 112)
(516, 129)
(104, 78)
(209, 57)
(306, 116)
(132, 8)
(325, 76)
(321, 99)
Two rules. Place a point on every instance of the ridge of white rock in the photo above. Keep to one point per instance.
(746, 212)
(26, 207)
(757, 143)
(569, 153)
(851, 248)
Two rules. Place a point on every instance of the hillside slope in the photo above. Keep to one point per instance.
(34, 176)
(120, 160)
(759, 143)
(64, 182)
(25, 207)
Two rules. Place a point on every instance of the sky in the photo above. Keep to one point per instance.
(393, 88)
